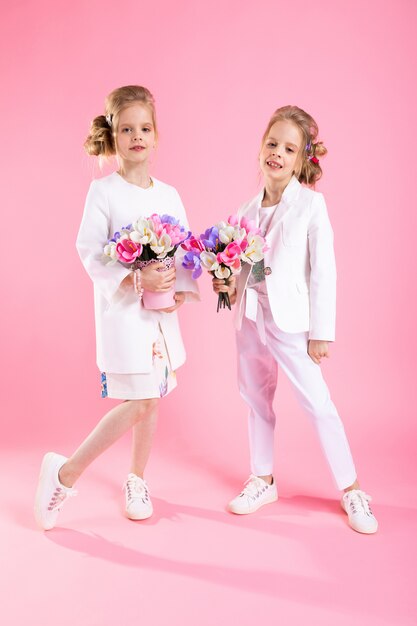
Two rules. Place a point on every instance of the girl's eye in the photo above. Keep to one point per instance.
(271, 144)
(126, 130)
(147, 130)
(290, 150)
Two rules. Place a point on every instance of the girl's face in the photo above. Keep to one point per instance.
(281, 152)
(135, 136)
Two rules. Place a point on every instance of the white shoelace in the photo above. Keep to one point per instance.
(254, 486)
(58, 498)
(358, 502)
(136, 488)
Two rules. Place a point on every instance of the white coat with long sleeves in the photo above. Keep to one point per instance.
(302, 284)
(125, 330)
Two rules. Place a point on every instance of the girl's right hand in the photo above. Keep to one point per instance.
(220, 285)
(152, 280)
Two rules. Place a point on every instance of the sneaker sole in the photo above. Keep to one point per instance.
(141, 517)
(254, 508)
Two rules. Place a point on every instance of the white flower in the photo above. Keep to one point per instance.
(162, 246)
(239, 234)
(254, 251)
(142, 232)
(110, 252)
(226, 233)
(144, 237)
(221, 225)
(222, 272)
(209, 261)
(124, 234)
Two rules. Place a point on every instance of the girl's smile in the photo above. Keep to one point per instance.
(274, 164)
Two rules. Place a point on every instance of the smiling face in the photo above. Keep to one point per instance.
(281, 152)
(135, 135)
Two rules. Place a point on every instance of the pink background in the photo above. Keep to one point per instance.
(218, 70)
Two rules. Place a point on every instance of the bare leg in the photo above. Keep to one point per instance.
(143, 433)
(110, 428)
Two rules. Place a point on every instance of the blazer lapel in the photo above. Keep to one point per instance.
(251, 211)
(288, 200)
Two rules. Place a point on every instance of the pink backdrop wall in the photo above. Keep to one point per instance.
(218, 70)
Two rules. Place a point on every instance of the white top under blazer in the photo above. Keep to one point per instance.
(125, 330)
(302, 284)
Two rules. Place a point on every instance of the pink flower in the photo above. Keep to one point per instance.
(193, 244)
(127, 250)
(249, 226)
(233, 220)
(243, 243)
(230, 255)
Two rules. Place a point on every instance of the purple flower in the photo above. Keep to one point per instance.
(210, 238)
(192, 262)
(168, 219)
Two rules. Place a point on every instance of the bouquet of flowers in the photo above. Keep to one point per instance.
(222, 249)
(152, 239)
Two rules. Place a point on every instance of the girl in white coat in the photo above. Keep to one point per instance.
(286, 311)
(138, 350)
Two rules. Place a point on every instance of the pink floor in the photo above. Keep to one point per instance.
(294, 562)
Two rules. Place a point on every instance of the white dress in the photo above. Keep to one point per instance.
(138, 350)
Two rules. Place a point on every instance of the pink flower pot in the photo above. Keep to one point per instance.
(157, 299)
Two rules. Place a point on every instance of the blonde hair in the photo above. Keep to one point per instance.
(101, 138)
(307, 170)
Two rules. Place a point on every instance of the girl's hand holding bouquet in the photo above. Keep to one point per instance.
(149, 245)
(221, 250)
(226, 286)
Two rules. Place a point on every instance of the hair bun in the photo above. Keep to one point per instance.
(319, 149)
(100, 138)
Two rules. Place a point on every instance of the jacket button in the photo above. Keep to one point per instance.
(267, 271)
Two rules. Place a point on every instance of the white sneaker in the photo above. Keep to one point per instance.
(138, 501)
(255, 494)
(356, 504)
(50, 494)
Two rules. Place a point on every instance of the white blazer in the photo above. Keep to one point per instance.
(302, 284)
(125, 330)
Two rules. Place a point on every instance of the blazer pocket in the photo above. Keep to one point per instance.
(294, 235)
(303, 287)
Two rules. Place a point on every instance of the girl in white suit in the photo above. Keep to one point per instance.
(286, 311)
(138, 350)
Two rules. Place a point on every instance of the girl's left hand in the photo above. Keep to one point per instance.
(179, 299)
(318, 349)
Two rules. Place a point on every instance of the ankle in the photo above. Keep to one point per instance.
(66, 478)
(268, 479)
(137, 473)
(352, 487)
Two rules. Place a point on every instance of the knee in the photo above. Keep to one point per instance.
(142, 408)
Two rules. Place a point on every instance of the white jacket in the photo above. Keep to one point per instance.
(302, 284)
(125, 331)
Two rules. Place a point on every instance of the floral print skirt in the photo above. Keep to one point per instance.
(155, 384)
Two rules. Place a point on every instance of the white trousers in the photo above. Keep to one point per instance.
(258, 369)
